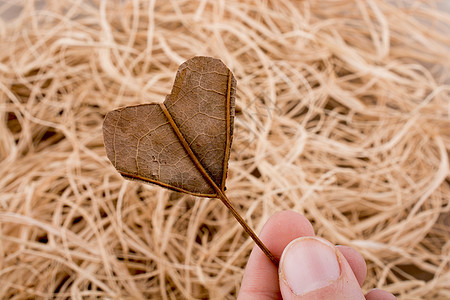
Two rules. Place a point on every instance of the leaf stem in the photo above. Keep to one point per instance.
(251, 233)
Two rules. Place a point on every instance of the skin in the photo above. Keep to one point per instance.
(261, 277)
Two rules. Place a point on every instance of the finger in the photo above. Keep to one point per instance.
(261, 276)
(313, 268)
(356, 262)
(376, 294)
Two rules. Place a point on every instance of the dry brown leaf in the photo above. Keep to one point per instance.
(184, 143)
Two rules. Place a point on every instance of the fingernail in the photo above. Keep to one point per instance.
(308, 264)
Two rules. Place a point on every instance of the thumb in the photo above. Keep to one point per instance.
(313, 268)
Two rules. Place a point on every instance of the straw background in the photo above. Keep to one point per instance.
(342, 115)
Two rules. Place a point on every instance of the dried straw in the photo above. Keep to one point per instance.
(343, 115)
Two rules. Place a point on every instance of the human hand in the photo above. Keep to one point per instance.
(310, 267)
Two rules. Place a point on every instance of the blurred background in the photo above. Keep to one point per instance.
(342, 115)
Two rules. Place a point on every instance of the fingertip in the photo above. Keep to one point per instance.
(282, 228)
(308, 264)
(377, 294)
(313, 268)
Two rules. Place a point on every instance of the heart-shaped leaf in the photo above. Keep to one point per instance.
(184, 143)
(148, 142)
